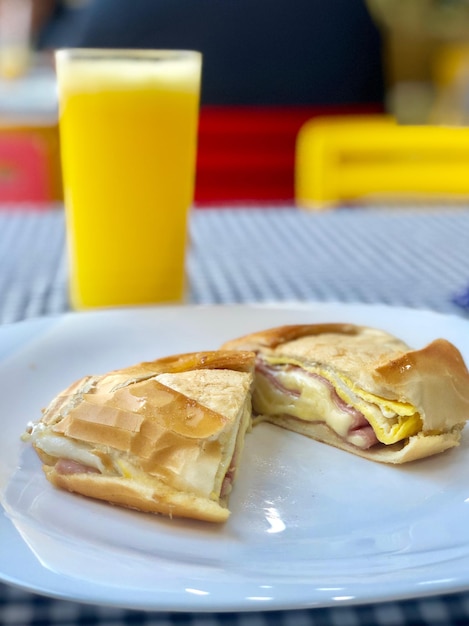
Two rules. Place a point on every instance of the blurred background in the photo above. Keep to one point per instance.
(269, 65)
(426, 59)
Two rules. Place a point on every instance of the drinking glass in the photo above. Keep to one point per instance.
(128, 130)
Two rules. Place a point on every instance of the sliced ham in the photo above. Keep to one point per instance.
(67, 466)
(360, 433)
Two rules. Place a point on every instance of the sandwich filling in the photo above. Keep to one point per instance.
(285, 387)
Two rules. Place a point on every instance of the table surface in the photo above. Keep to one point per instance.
(415, 257)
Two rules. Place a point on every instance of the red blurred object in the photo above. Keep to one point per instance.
(23, 170)
(29, 164)
(248, 153)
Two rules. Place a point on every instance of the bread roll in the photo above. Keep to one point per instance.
(360, 389)
(164, 436)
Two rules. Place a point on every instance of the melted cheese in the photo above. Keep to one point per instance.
(314, 403)
(62, 448)
(391, 420)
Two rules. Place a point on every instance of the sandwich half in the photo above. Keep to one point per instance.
(360, 389)
(164, 436)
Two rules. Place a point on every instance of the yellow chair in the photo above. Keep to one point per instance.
(352, 159)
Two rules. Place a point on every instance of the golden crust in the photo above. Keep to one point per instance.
(111, 409)
(354, 350)
(274, 337)
(165, 431)
(435, 379)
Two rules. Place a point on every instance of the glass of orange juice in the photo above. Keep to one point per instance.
(128, 130)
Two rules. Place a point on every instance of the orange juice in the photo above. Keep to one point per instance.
(128, 127)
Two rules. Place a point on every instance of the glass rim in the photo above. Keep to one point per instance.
(126, 53)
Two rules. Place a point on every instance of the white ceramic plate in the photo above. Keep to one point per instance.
(310, 525)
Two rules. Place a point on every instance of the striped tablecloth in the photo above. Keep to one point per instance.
(416, 258)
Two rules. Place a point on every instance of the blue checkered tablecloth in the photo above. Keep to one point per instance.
(414, 257)
(402, 257)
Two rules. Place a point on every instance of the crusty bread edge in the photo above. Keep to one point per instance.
(416, 447)
(155, 498)
(274, 337)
